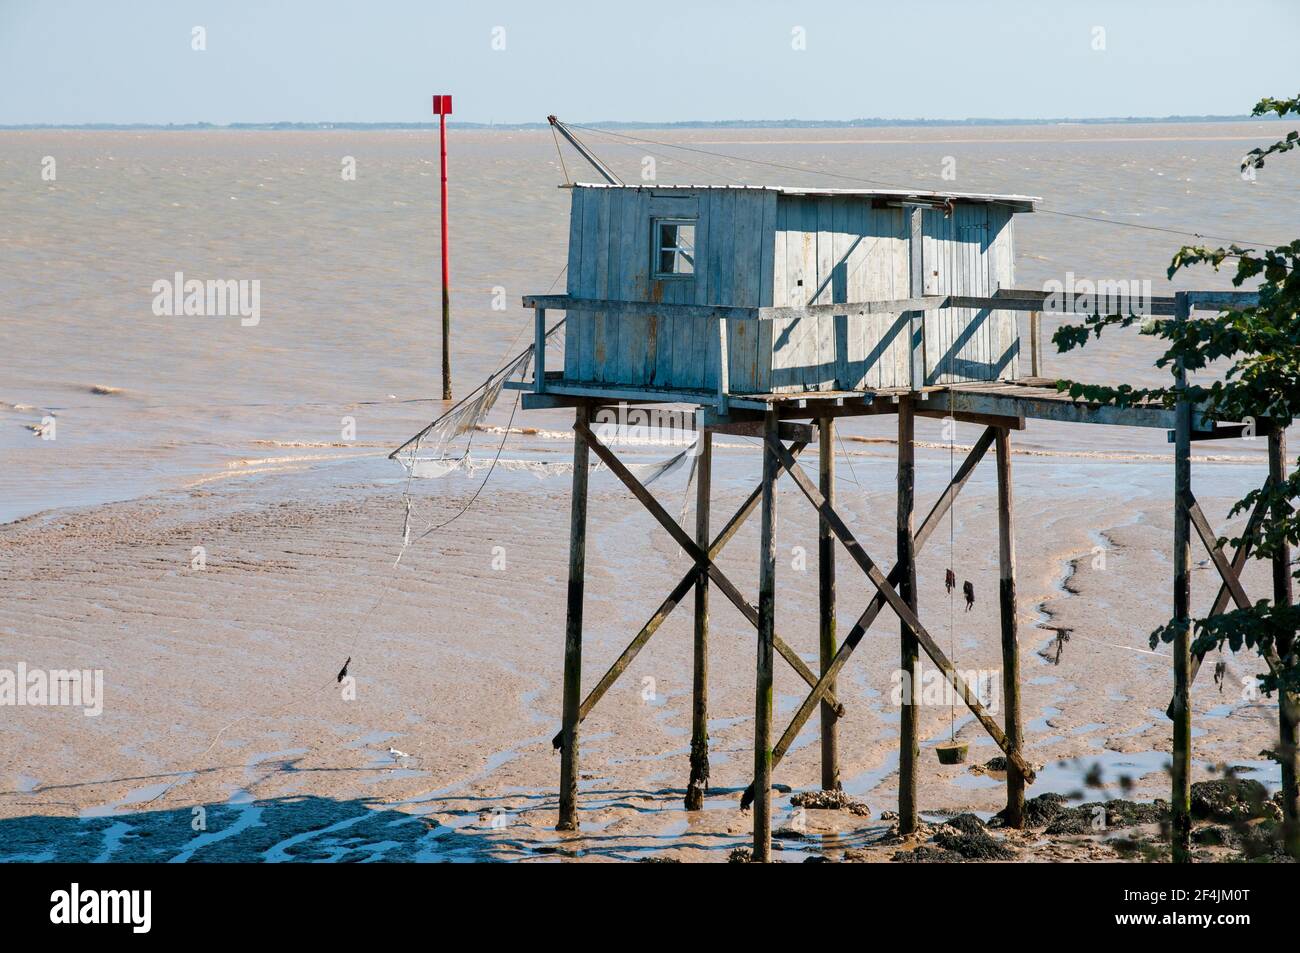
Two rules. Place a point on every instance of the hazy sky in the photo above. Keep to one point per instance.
(69, 61)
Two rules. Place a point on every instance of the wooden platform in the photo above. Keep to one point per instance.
(1038, 398)
(1034, 398)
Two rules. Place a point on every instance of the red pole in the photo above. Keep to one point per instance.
(441, 108)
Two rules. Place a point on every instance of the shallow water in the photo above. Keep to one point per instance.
(348, 273)
(147, 404)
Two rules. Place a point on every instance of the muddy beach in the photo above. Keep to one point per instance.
(221, 700)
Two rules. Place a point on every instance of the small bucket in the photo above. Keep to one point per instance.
(952, 752)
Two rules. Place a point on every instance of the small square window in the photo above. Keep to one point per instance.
(674, 247)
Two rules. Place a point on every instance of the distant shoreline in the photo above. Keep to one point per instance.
(609, 124)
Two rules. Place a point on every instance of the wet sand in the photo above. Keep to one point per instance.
(174, 433)
(220, 688)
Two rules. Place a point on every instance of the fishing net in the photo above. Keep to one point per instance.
(428, 454)
(435, 440)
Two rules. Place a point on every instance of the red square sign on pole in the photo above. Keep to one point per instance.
(442, 109)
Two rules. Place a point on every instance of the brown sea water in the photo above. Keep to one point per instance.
(222, 682)
(348, 273)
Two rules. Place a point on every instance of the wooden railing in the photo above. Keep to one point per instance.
(1007, 299)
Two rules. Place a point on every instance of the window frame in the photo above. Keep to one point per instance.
(657, 247)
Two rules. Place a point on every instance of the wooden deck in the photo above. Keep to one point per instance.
(1034, 398)
(1038, 398)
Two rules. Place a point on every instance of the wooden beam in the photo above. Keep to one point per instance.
(568, 820)
(1020, 300)
(1035, 343)
(1004, 299)
(1239, 558)
(539, 349)
(827, 644)
(1230, 572)
(976, 401)
(916, 288)
(909, 649)
(1005, 422)
(680, 536)
(877, 603)
(916, 302)
(698, 785)
(1180, 795)
(1221, 300)
(619, 309)
(666, 607)
(614, 395)
(904, 612)
(766, 634)
(1219, 431)
(803, 433)
(550, 401)
(1226, 573)
(1015, 812)
(1288, 708)
(724, 367)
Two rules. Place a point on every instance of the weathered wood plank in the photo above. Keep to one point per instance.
(877, 604)
(916, 288)
(909, 646)
(1181, 768)
(595, 207)
(627, 308)
(568, 820)
(1230, 578)
(1288, 714)
(906, 615)
(965, 398)
(684, 540)
(665, 608)
(539, 350)
(1009, 613)
(698, 784)
(573, 284)
(827, 641)
(600, 287)
(766, 637)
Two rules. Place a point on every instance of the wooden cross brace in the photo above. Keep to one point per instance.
(1229, 570)
(886, 595)
(703, 563)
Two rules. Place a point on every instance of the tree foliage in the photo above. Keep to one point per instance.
(1261, 385)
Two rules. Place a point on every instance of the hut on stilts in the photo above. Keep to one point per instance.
(775, 312)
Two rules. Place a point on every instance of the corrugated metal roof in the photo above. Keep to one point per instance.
(1020, 202)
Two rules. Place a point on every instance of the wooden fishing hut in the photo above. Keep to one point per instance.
(775, 312)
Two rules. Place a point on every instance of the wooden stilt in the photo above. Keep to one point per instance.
(687, 542)
(1181, 794)
(1236, 564)
(698, 786)
(680, 591)
(1288, 708)
(908, 749)
(877, 604)
(766, 630)
(573, 632)
(1015, 812)
(826, 601)
(901, 609)
(1035, 345)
